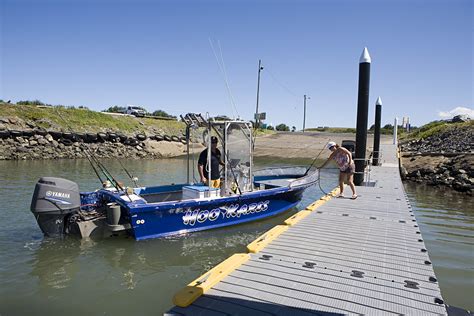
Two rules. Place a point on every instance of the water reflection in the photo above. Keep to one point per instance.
(54, 263)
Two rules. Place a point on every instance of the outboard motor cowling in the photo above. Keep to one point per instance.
(53, 201)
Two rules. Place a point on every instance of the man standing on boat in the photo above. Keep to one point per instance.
(215, 162)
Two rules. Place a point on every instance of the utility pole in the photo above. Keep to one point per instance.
(260, 68)
(304, 112)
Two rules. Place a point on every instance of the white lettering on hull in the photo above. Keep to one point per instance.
(234, 210)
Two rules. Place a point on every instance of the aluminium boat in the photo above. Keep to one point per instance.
(159, 211)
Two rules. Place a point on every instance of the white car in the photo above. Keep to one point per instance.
(135, 110)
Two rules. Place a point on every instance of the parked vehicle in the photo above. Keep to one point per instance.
(135, 110)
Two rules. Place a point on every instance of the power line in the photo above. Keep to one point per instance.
(281, 84)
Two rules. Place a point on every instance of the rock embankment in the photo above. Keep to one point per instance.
(444, 159)
(455, 140)
(46, 147)
(23, 141)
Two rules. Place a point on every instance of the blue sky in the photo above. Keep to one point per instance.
(158, 54)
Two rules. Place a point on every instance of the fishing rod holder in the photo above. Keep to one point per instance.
(194, 120)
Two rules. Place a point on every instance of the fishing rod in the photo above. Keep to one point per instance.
(314, 159)
(106, 172)
(90, 155)
(95, 170)
(134, 179)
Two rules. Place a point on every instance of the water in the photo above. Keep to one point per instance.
(119, 276)
(446, 220)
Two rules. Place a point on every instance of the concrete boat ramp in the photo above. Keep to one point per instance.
(338, 256)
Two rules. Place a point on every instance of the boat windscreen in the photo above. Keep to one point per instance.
(281, 171)
(238, 154)
(303, 177)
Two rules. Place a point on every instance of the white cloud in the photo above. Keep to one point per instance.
(457, 111)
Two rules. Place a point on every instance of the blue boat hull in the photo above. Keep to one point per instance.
(150, 221)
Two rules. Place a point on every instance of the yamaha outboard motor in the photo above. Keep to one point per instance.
(53, 201)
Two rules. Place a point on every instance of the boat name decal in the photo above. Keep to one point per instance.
(233, 210)
(58, 194)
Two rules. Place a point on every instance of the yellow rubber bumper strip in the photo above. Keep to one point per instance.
(334, 192)
(313, 206)
(262, 241)
(297, 217)
(201, 285)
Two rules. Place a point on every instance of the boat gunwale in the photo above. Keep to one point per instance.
(143, 206)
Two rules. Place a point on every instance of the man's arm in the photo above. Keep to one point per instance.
(201, 173)
(201, 163)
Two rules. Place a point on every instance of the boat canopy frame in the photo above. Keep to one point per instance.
(237, 150)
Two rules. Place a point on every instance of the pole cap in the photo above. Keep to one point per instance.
(379, 101)
(365, 57)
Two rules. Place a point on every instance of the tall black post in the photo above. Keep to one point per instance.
(378, 117)
(362, 116)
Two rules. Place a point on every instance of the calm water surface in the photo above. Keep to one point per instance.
(446, 220)
(119, 276)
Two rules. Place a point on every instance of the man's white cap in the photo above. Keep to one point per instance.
(330, 144)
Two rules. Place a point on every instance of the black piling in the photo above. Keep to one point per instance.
(362, 116)
(378, 117)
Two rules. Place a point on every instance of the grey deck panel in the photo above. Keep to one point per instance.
(331, 255)
(363, 256)
(352, 248)
(327, 276)
(377, 268)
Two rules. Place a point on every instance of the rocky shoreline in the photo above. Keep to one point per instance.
(445, 159)
(45, 147)
(20, 140)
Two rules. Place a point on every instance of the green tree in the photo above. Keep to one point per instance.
(162, 114)
(115, 109)
(282, 127)
(34, 102)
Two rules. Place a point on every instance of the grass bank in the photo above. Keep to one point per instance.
(82, 120)
(434, 128)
